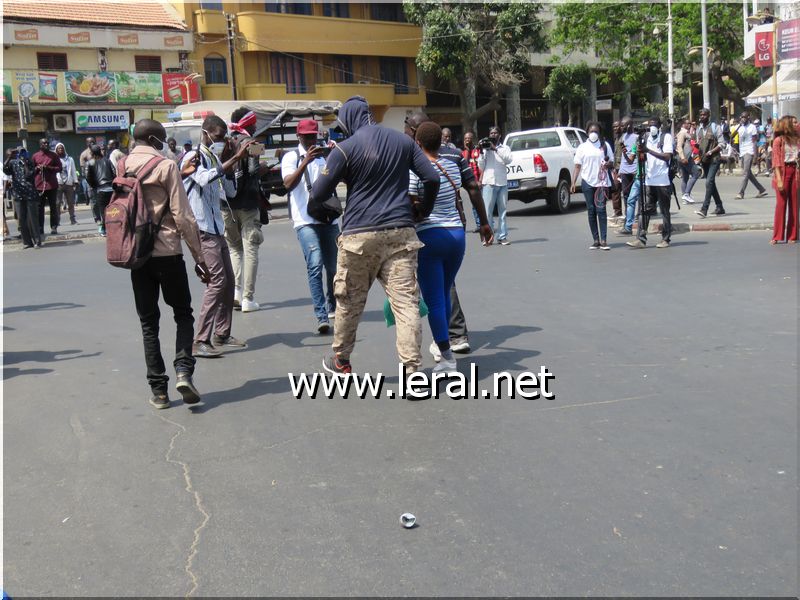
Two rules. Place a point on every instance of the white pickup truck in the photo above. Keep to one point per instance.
(542, 165)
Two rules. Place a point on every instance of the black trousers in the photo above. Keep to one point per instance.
(457, 328)
(656, 195)
(168, 275)
(626, 179)
(103, 198)
(49, 198)
(28, 221)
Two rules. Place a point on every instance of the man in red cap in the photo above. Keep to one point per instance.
(300, 169)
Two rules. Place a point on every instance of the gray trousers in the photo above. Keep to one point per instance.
(458, 324)
(216, 313)
(747, 167)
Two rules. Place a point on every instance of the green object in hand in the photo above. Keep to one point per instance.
(389, 315)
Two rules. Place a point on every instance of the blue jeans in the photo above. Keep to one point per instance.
(630, 209)
(437, 265)
(690, 173)
(319, 248)
(496, 195)
(595, 211)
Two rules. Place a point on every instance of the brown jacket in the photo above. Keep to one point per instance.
(164, 185)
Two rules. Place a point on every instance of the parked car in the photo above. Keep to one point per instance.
(542, 165)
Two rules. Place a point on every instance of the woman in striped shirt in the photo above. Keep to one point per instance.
(442, 232)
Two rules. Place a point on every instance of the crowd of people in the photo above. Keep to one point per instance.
(403, 223)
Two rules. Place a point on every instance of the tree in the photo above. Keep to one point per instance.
(628, 49)
(567, 85)
(487, 43)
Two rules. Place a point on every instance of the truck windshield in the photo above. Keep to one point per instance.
(534, 140)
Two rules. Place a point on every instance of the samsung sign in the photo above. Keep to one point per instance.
(107, 120)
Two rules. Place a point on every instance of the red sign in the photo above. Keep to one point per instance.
(789, 40)
(764, 49)
(84, 37)
(175, 89)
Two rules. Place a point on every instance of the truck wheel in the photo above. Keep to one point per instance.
(559, 199)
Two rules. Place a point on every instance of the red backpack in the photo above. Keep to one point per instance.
(130, 231)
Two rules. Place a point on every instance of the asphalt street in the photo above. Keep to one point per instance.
(666, 464)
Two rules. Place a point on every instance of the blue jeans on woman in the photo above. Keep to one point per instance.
(437, 265)
(596, 211)
(496, 195)
(319, 248)
(630, 209)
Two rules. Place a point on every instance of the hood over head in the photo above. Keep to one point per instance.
(353, 115)
(62, 145)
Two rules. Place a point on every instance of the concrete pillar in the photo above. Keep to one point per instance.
(513, 117)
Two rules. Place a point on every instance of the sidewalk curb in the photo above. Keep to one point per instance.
(689, 227)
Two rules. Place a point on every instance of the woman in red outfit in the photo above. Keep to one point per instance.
(785, 161)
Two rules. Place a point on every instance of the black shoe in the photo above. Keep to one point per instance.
(719, 212)
(323, 327)
(336, 366)
(227, 342)
(700, 214)
(26, 246)
(624, 231)
(186, 388)
(159, 401)
(205, 350)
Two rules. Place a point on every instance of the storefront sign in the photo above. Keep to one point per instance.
(111, 120)
(175, 89)
(764, 49)
(173, 41)
(90, 86)
(789, 40)
(82, 37)
(131, 39)
(602, 104)
(26, 34)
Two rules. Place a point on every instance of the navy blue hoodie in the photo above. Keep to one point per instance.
(374, 162)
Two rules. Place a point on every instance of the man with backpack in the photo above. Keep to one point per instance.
(164, 272)
(242, 215)
(657, 153)
(205, 188)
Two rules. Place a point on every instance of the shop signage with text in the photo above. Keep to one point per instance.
(102, 120)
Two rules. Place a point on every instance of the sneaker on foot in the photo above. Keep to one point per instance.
(594, 246)
(237, 297)
(159, 401)
(662, 244)
(54, 231)
(446, 366)
(763, 194)
(604, 245)
(701, 214)
(229, 341)
(504, 242)
(624, 232)
(185, 387)
(73, 222)
(738, 197)
(336, 366)
(323, 327)
(689, 199)
(719, 212)
(205, 350)
(637, 243)
(460, 346)
(332, 315)
(437, 354)
(249, 305)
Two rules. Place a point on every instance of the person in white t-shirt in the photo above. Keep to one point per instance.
(300, 169)
(658, 152)
(593, 160)
(748, 136)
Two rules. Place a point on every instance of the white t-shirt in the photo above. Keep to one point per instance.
(657, 169)
(590, 156)
(298, 197)
(625, 167)
(746, 133)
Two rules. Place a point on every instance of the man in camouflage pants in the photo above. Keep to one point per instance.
(378, 239)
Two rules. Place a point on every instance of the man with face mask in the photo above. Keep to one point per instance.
(493, 163)
(657, 153)
(748, 138)
(205, 188)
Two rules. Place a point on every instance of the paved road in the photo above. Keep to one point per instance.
(666, 465)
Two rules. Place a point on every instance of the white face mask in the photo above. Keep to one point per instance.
(653, 130)
(593, 137)
(217, 148)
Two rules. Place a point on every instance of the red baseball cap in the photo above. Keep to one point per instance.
(307, 126)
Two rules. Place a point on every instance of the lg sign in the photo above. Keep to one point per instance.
(763, 49)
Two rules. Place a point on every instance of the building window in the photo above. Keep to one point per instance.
(289, 8)
(342, 69)
(393, 70)
(216, 69)
(340, 10)
(388, 11)
(148, 64)
(288, 70)
(210, 5)
(51, 61)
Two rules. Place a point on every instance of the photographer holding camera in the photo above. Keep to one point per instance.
(493, 160)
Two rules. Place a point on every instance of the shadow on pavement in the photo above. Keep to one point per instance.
(45, 356)
(287, 303)
(9, 372)
(514, 242)
(36, 307)
(247, 391)
(540, 209)
(292, 340)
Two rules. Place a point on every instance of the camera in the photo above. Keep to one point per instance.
(642, 128)
(485, 143)
(324, 147)
(255, 149)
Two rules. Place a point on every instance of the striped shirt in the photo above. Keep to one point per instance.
(445, 213)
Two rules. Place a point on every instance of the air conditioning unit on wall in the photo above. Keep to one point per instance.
(62, 122)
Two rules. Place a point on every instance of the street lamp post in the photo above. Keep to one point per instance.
(671, 69)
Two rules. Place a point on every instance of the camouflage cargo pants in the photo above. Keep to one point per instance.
(390, 257)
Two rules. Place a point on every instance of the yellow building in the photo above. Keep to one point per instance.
(307, 51)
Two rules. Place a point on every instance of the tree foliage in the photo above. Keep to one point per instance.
(627, 48)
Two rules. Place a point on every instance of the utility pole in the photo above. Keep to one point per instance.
(231, 50)
(671, 70)
(704, 32)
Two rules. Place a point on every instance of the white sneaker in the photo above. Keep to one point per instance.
(446, 366)
(437, 354)
(687, 199)
(237, 296)
(249, 305)
(462, 346)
